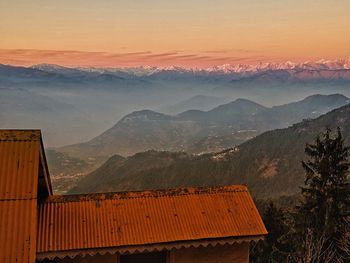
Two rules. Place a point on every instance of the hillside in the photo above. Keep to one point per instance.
(200, 131)
(269, 163)
(65, 170)
(138, 131)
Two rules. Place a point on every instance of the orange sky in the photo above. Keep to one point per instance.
(192, 33)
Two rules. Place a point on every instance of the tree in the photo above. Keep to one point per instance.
(326, 195)
(273, 248)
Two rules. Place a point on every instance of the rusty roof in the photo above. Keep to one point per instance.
(129, 219)
(23, 170)
(36, 224)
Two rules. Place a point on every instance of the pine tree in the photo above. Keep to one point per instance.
(326, 194)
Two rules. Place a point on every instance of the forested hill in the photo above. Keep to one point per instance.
(217, 129)
(270, 163)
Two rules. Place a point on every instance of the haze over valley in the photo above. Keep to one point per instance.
(269, 161)
(89, 114)
(74, 105)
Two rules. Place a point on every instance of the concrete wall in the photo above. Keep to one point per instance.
(238, 253)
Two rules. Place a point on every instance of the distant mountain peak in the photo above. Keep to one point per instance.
(144, 70)
(48, 67)
(197, 102)
(243, 100)
(144, 115)
(239, 103)
(335, 96)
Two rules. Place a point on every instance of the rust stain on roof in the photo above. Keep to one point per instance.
(152, 217)
(147, 193)
(20, 135)
(19, 174)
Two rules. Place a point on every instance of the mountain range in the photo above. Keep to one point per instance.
(270, 163)
(323, 64)
(95, 99)
(141, 76)
(224, 126)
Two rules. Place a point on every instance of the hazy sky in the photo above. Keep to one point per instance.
(178, 32)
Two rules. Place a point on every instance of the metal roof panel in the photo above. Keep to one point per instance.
(150, 217)
(19, 174)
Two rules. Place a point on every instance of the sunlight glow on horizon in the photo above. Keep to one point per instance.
(189, 33)
(22, 57)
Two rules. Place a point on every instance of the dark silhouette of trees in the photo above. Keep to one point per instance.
(320, 227)
(322, 214)
(275, 247)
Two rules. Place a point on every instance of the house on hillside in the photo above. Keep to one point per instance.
(203, 225)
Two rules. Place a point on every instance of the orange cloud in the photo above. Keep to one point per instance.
(27, 57)
(72, 58)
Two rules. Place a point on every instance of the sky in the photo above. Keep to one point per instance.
(188, 33)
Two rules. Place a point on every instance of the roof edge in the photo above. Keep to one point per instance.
(148, 248)
(45, 168)
(146, 193)
(20, 135)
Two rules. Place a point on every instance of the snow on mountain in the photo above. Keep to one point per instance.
(323, 64)
(48, 67)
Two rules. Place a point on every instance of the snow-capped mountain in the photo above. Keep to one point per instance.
(308, 65)
(340, 64)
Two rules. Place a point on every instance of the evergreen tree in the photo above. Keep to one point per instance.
(326, 194)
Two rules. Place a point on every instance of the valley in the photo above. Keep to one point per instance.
(184, 122)
(198, 131)
(270, 164)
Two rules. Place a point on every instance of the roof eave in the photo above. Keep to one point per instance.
(146, 248)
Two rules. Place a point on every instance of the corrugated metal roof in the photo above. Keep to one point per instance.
(139, 218)
(110, 220)
(18, 231)
(20, 160)
(19, 165)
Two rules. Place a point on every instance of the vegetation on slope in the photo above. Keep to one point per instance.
(224, 126)
(318, 228)
(270, 163)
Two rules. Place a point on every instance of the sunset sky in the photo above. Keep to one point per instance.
(190, 33)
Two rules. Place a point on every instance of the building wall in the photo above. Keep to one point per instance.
(238, 253)
(107, 258)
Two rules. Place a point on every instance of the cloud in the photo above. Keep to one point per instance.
(167, 54)
(27, 57)
(233, 50)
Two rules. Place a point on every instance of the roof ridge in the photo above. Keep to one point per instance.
(147, 193)
(20, 135)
